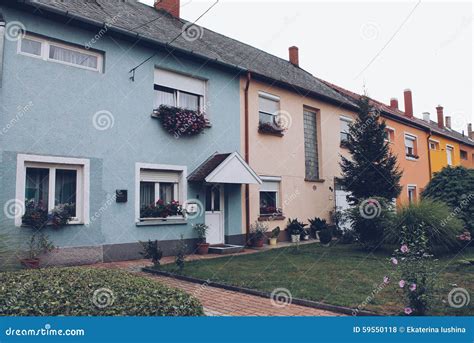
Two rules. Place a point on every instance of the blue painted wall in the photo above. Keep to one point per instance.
(60, 103)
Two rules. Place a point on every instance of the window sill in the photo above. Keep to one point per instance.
(276, 133)
(315, 180)
(410, 158)
(161, 221)
(269, 217)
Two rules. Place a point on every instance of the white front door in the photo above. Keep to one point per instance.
(341, 206)
(215, 214)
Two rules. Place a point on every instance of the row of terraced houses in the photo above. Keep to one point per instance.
(81, 87)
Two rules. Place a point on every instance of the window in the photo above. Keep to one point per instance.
(54, 181)
(344, 123)
(268, 110)
(463, 155)
(178, 90)
(270, 196)
(411, 193)
(71, 55)
(310, 145)
(389, 135)
(434, 145)
(213, 198)
(159, 184)
(449, 154)
(410, 146)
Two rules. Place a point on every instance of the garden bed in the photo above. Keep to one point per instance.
(90, 292)
(341, 275)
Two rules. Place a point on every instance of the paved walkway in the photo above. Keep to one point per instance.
(218, 301)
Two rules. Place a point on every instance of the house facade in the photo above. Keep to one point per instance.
(77, 129)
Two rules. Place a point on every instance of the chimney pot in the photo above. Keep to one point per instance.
(394, 103)
(470, 133)
(426, 116)
(439, 111)
(294, 58)
(170, 6)
(448, 122)
(408, 103)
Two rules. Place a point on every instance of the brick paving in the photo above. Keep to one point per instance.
(218, 301)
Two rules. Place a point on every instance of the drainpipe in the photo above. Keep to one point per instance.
(247, 159)
(429, 152)
(2, 43)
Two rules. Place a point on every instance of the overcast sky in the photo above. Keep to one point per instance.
(431, 54)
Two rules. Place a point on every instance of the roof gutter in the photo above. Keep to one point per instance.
(247, 157)
(2, 46)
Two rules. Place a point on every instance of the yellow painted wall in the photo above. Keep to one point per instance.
(439, 158)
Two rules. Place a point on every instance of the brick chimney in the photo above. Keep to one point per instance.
(294, 56)
(448, 122)
(408, 103)
(170, 6)
(394, 103)
(470, 133)
(439, 111)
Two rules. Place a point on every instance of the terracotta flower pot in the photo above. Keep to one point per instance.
(258, 243)
(30, 263)
(203, 248)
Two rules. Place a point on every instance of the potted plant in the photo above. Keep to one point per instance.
(202, 246)
(316, 225)
(274, 237)
(257, 231)
(294, 229)
(39, 244)
(325, 236)
(305, 234)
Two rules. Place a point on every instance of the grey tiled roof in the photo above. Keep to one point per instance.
(207, 167)
(145, 20)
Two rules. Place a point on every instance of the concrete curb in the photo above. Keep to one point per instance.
(296, 301)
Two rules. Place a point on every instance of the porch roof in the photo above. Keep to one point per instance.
(225, 168)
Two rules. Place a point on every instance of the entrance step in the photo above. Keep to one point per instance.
(224, 249)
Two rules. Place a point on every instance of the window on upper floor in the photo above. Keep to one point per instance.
(270, 118)
(311, 145)
(179, 90)
(412, 196)
(389, 134)
(463, 154)
(411, 151)
(434, 145)
(345, 123)
(53, 51)
(449, 154)
(270, 196)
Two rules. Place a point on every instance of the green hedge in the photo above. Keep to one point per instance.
(90, 292)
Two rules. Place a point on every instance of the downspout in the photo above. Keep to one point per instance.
(247, 159)
(2, 44)
(429, 152)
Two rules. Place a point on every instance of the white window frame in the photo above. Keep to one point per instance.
(276, 179)
(414, 188)
(271, 97)
(45, 47)
(52, 162)
(450, 147)
(182, 190)
(436, 142)
(413, 138)
(390, 129)
(347, 120)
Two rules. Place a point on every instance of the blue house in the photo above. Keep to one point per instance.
(80, 94)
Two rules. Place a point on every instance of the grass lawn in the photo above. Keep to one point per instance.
(339, 275)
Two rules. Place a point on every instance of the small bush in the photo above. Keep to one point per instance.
(152, 251)
(325, 236)
(316, 225)
(347, 237)
(90, 292)
(180, 258)
(430, 215)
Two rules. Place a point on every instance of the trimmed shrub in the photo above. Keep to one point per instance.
(455, 187)
(325, 236)
(90, 292)
(431, 216)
